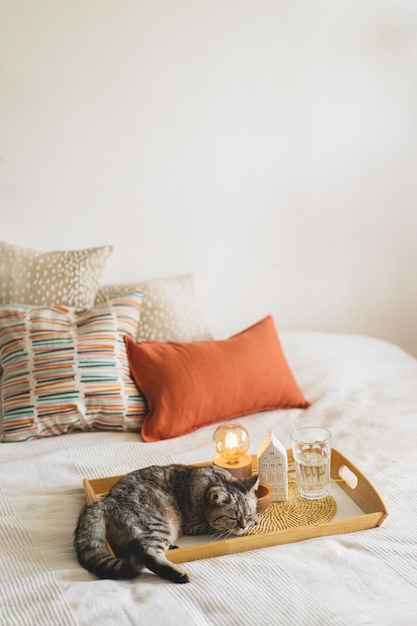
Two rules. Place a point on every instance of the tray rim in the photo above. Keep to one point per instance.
(363, 494)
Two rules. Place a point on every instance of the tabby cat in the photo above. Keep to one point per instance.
(147, 510)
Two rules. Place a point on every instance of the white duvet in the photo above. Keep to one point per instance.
(362, 389)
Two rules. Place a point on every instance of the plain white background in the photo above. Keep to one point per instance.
(268, 146)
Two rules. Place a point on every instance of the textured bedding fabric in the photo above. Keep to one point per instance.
(362, 389)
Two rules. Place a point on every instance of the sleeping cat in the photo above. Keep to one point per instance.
(147, 510)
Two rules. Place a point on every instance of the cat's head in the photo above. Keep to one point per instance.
(231, 505)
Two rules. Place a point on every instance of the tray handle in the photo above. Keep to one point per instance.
(356, 485)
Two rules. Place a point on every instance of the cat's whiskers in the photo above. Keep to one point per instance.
(224, 534)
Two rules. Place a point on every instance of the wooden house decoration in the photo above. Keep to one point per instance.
(273, 466)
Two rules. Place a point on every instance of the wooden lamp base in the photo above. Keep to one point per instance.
(241, 469)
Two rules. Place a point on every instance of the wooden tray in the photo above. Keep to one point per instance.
(343, 473)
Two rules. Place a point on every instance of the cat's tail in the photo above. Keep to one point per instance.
(92, 552)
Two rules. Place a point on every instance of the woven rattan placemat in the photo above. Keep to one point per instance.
(294, 512)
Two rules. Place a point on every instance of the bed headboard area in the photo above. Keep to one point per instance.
(268, 149)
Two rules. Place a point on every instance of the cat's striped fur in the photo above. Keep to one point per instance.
(147, 510)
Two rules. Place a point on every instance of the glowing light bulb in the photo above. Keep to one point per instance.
(231, 441)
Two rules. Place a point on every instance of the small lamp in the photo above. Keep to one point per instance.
(231, 441)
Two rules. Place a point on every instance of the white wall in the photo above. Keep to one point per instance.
(268, 146)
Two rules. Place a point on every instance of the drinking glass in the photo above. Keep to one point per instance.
(311, 448)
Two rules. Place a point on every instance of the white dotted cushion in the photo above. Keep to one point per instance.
(68, 277)
(65, 370)
(169, 310)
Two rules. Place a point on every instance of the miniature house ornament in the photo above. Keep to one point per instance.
(273, 466)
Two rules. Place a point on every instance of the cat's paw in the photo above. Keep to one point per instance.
(183, 578)
(181, 575)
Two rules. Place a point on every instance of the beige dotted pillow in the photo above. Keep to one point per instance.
(169, 308)
(66, 277)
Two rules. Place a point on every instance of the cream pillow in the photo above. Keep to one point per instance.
(169, 309)
(67, 277)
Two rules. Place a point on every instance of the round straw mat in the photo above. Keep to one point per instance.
(294, 512)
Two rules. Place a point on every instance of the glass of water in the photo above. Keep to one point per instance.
(312, 449)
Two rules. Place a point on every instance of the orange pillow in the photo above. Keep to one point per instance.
(190, 385)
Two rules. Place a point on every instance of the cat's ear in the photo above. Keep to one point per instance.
(251, 483)
(218, 496)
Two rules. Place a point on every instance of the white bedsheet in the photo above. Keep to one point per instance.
(362, 389)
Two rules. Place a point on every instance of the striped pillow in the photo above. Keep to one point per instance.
(66, 370)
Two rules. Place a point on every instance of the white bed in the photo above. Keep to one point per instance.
(362, 389)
